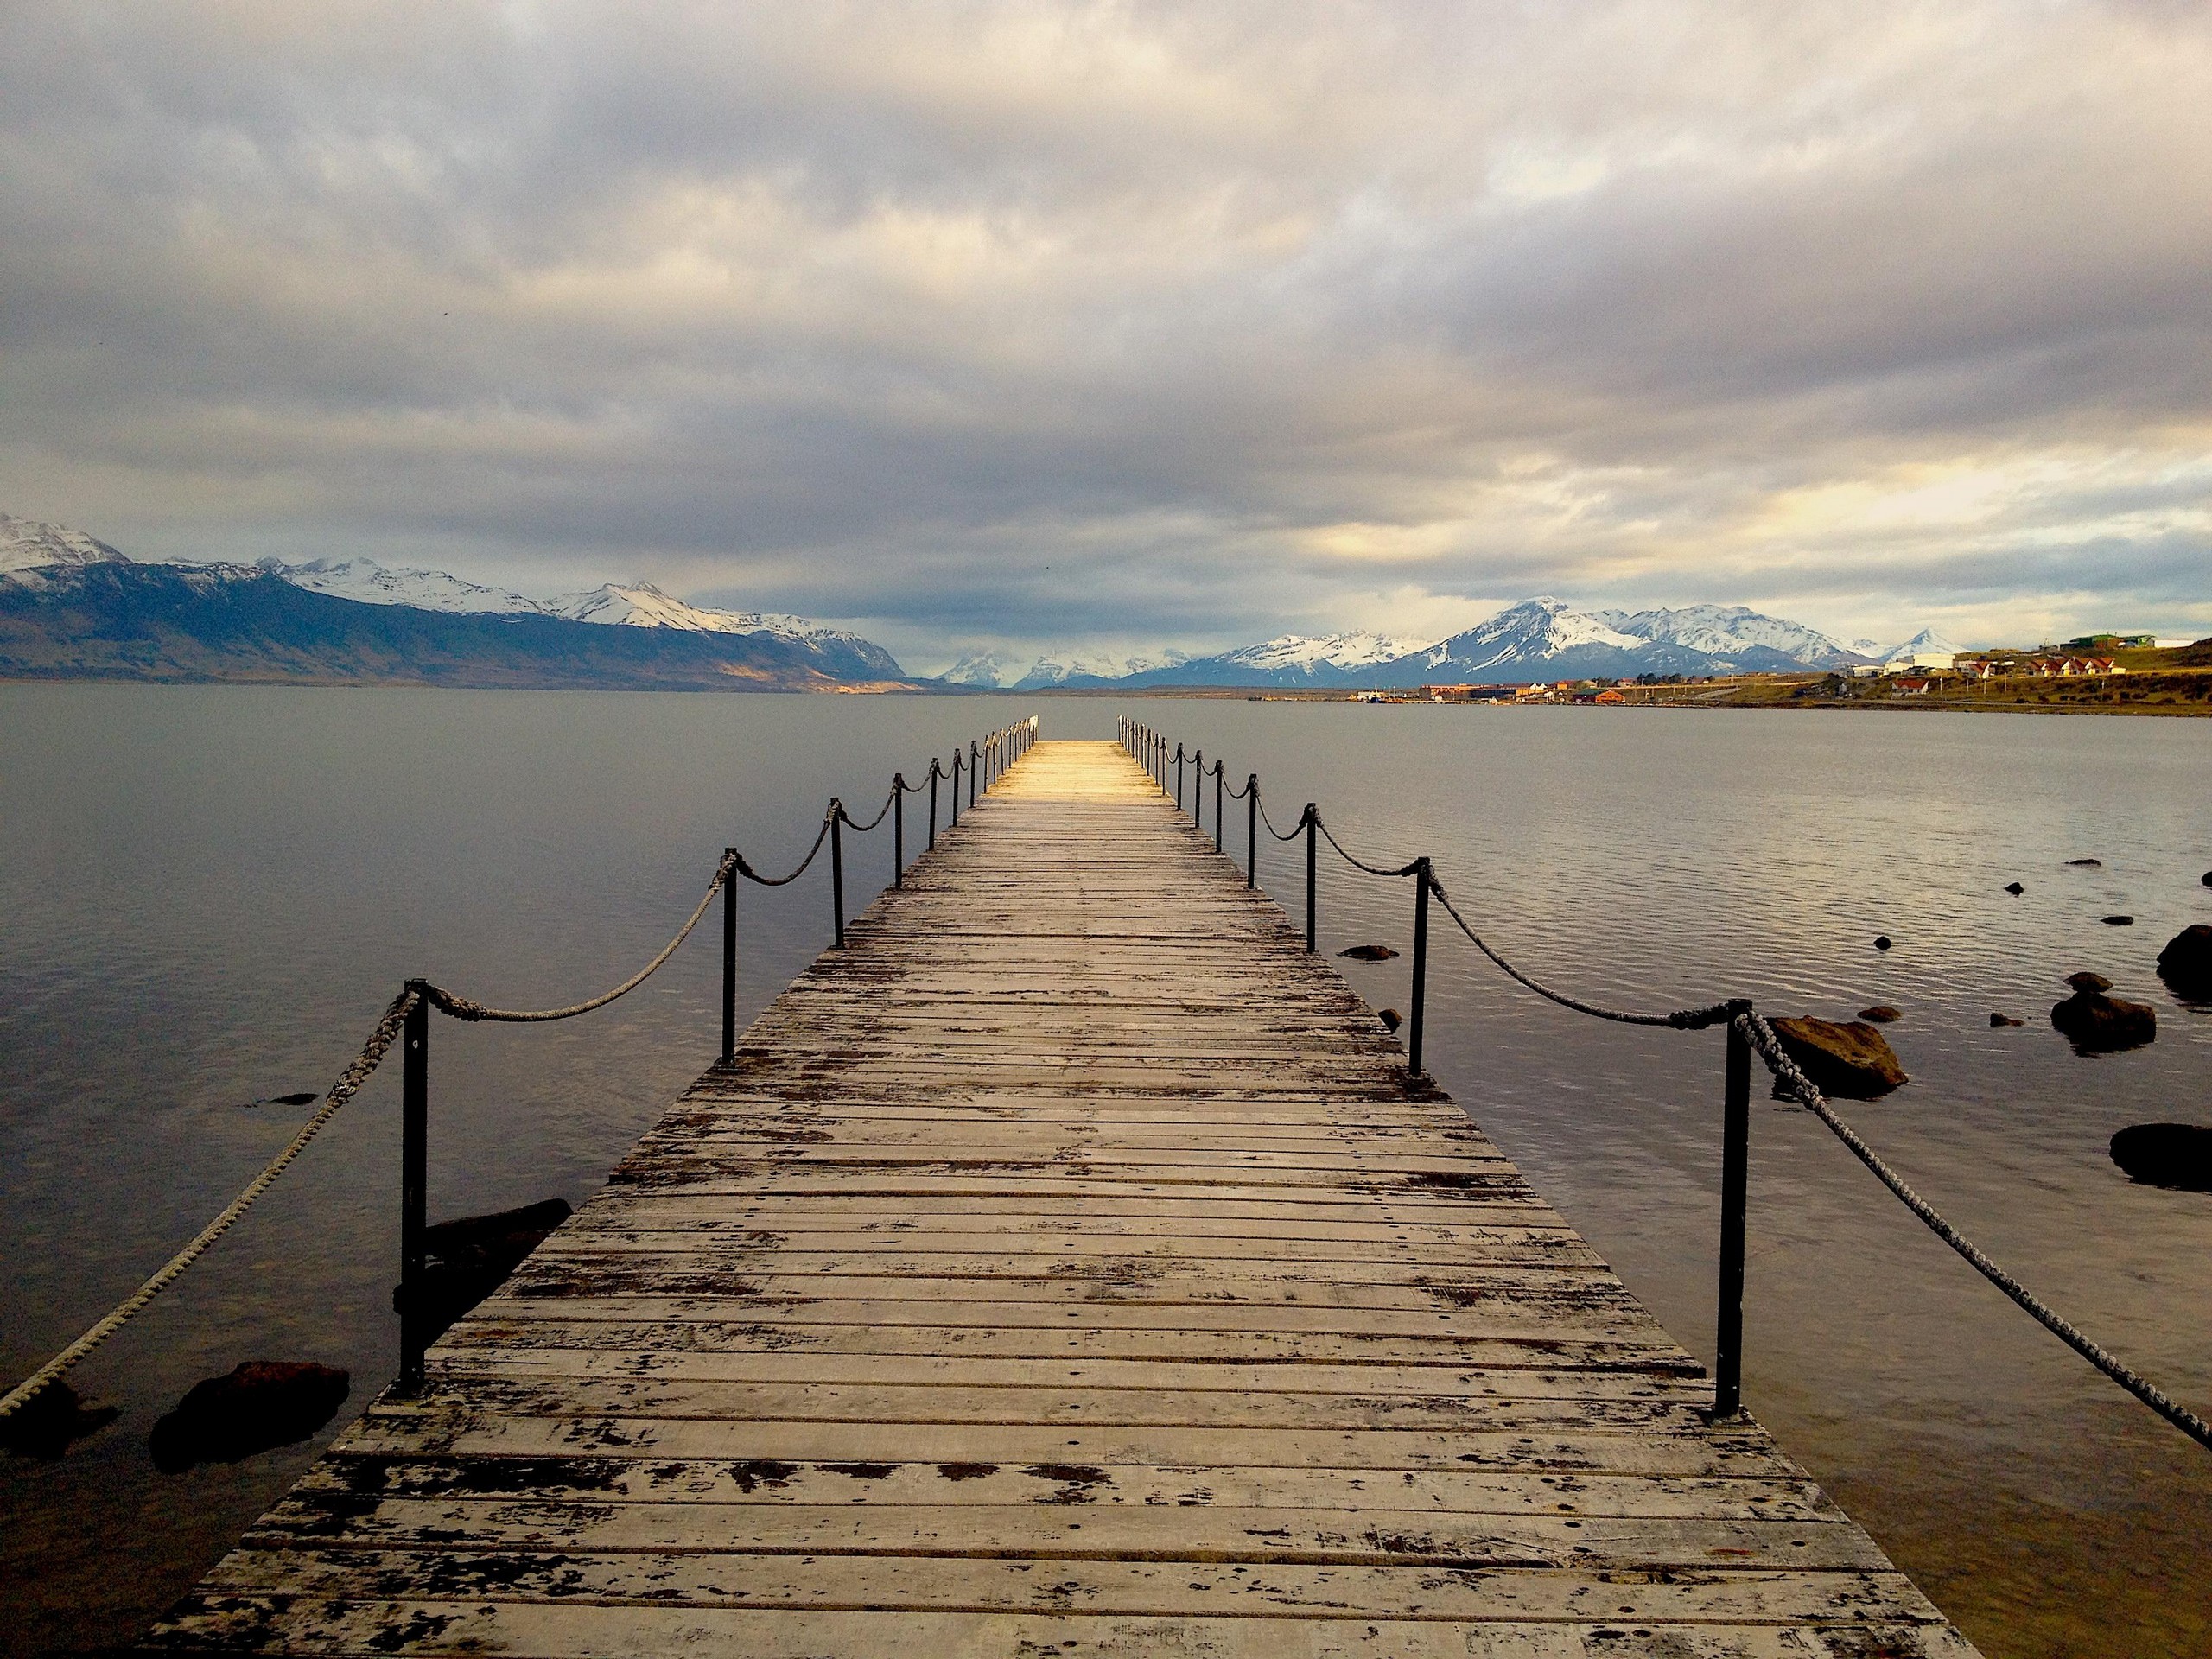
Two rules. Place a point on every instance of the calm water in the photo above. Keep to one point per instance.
(210, 892)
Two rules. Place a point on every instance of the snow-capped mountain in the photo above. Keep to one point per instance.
(988, 670)
(1540, 636)
(426, 590)
(1291, 659)
(1093, 669)
(28, 544)
(1728, 630)
(1926, 641)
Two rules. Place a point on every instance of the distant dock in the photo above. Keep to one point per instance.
(1066, 1266)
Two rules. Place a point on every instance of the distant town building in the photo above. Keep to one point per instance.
(2112, 642)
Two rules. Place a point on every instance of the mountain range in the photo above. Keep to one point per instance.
(1538, 638)
(72, 606)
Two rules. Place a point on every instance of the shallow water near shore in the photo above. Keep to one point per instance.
(210, 892)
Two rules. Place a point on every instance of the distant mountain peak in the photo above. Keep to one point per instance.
(32, 545)
(989, 670)
(426, 590)
(1927, 642)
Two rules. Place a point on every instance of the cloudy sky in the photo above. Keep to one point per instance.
(1128, 325)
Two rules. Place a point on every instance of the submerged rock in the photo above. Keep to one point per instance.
(2014, 888)
(1881, 941)
(1368, 953)
(1852, 1060)
(2097, 1024)
(2166, 1154)
(466, 1260)
(261, 1404)
(2087, 863)
(1996, 1020)
(2186, 963)
(1881, 1013)
(44, 1425)
(2120, 921)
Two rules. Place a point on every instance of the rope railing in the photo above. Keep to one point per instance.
(406, 1022)
(1748, 1033)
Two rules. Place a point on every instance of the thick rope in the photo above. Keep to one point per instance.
(1682, 1019)
(1296, 829)
(462, 1008)
(349, 1084)
(752, 874)
(1760, 1035)
(862, 829)
(1322, 824)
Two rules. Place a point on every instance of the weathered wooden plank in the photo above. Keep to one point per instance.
(1066, 1266)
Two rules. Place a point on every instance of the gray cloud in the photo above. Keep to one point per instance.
(1014, 322)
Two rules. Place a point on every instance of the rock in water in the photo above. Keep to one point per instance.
(465, 1261)
(2097, 1024)
(44, 1425)
(1881, 1013)
(1368, 953)
(1881, 941)
(2087, 863)
(261, 1404)
(1391, 1019)
(2186, 963)
(1996, 1020)
(2166, 1154)
(2207, 878)
(2014, 888)
(1852, 1060)
(2120, 921)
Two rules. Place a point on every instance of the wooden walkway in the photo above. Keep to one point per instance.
(1065, 1268)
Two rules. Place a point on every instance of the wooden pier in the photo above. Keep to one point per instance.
(1066, 1267)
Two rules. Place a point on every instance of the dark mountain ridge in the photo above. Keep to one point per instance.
(116, 620)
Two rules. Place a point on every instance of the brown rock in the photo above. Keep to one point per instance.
(2014, 888)
(1368, 953)
(2166, 1154)
(261, 1404)
(2097, 1024)
(2120, 921)
(1853, 1060)
(2087, 863)
(1391, 1019)
(2186, 963)
(1881, 1013)
(1996, 1020)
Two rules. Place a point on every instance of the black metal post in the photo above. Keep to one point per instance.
(730, 956)
(936, 772)
(1216, 806)
(1735, 1163)
(956, 789)
(414, 1182)
(1178, 776)
(1252, 830)
(837, 867)
(972, 769)
(898, 829)
(1312, 819)
(1420, 968)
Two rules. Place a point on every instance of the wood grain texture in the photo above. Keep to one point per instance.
(1066, 1266)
